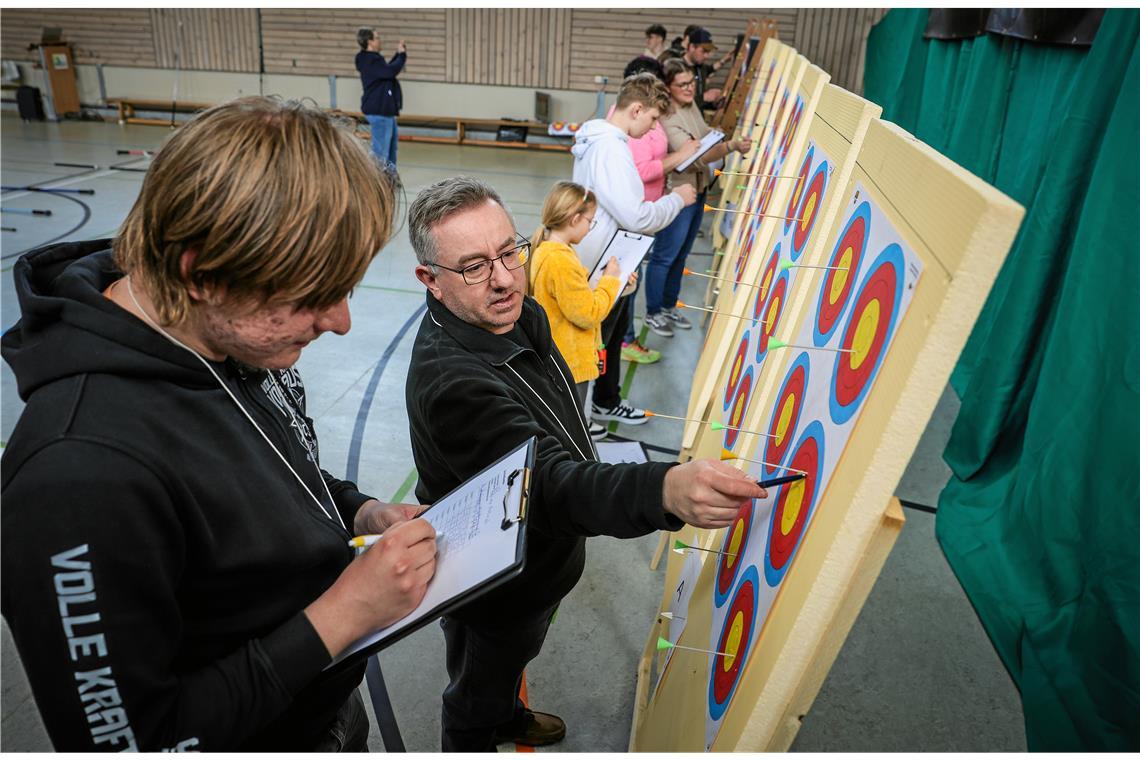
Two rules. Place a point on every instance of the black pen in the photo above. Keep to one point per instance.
(781, 480)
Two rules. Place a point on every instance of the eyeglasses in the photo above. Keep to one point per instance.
(593, 223)
(685, 85)
(480, 271)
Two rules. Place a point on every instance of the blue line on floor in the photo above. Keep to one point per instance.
(353, 467)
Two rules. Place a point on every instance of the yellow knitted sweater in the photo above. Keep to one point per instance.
(558, 281)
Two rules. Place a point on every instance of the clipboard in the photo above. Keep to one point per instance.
(629, 248)
(711, 138)
(481, 528)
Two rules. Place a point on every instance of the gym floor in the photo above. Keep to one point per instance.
(917, 672)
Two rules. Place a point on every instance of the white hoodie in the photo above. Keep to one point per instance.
(604, 164)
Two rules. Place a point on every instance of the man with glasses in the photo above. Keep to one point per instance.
(484, 377)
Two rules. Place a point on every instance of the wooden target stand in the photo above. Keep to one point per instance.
(756, 122)
(960, 229)
(803, 83)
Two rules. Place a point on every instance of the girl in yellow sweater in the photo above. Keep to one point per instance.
(559, 283)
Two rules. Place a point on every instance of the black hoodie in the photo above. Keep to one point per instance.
(157, 554)
(472, 397)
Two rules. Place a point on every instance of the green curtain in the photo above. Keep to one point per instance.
(1041, 518)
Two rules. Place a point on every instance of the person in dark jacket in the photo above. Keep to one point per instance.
(382, 99)
(175, 565)
(484, 376)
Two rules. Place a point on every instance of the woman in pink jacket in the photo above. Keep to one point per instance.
(654, 162)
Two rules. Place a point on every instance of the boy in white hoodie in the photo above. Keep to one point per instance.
(603, 163)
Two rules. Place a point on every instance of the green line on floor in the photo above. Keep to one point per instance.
(613, 426)
(406, 486)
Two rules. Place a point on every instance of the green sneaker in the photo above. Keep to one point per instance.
(635, 352)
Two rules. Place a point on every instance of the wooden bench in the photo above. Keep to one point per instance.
(462, 125)
(128, 106)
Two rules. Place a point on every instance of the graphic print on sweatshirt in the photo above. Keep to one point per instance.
(288, 381)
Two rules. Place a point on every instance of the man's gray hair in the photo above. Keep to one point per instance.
(437, 202)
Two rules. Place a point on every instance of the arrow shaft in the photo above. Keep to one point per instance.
(704, 651)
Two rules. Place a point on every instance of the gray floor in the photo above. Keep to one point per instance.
(916, 674)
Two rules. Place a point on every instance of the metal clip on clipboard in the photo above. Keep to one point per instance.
(521, 514)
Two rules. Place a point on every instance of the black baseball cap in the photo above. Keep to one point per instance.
(701, 36)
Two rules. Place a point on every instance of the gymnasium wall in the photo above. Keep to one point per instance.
(478, 58)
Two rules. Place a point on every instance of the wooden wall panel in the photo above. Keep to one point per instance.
(522, 47)
(206, 39)
(554, 48)
(117, 37)
(322, 42)
(835, 39)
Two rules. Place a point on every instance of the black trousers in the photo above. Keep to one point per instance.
(349, 730)
(485, 664)
(607, 388)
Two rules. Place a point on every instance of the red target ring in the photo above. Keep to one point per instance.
(786, 413)
(742, 260)
(736, 413)
(738, 362)
(793, 125)
(798, 191)
(767, 278)
(729, 563)
(808, 211)
(735, 642)
(866, 333)
(837, 285)
(795, 502)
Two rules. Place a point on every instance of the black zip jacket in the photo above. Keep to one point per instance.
(382, 95)
(473, 396)
(157, 555)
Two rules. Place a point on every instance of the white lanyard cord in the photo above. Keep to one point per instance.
(543, 401)
(253, 422)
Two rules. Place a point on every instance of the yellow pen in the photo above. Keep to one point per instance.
(359, 542)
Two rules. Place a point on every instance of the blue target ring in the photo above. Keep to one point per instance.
(795, 504)
(883, 287)
(725, 674)
(835, 290)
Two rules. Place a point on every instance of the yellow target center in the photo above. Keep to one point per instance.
(766, 283)
(785, 420)
(732, 643)
(792, 506)
(734, 542)
(773, 310)
(839, 279)
(809, 208)
(864, 334)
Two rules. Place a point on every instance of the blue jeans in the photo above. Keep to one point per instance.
(667, 261)
(384, 137)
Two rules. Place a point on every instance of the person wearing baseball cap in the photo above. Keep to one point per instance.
(697, 52)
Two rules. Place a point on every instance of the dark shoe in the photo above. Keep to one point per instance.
(533, 729)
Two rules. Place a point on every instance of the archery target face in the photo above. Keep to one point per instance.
(735, 641)
(786, 414)
(835, 291)
(794, 504)
(739, 360)
(739, 406)
(811, 205)
(793, 125)
(798, 191)
(731, 562)
(742, 259)
(869, 328)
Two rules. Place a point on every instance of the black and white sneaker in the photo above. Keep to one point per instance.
(598, 432)
(623, 413)
(677, 318)
(660, 324)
